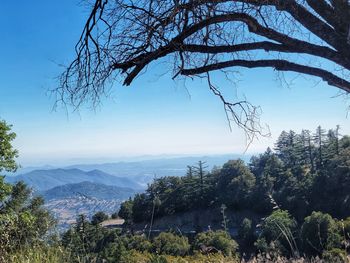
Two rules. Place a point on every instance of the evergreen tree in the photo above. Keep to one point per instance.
(320, 138)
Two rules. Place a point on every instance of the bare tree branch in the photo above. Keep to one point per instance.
(122, 37)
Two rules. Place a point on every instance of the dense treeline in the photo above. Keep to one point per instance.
(89, 242)
(319, 236)
(306, 172)
(300, 192)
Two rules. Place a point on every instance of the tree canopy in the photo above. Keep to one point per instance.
(23, 220)
(8, 154)
(122, 38)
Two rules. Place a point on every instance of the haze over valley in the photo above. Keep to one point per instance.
(89, 188)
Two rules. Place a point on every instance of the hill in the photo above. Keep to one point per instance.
(42, 180)
(89, 190)
(67, 201)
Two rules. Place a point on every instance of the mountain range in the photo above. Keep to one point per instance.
(42, 180)
(88, 190)
(144, 171)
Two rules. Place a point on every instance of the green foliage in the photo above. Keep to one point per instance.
(218, 240)
(115, 215)
(99, 217)
(141, 207)
(158, 259)
(8, 154)
(125, 211)
(261, 245)
(306, 172)
(320, 232)
(335, 255)
(171, 244)
(86, 242)
(138, 242)
(278, 231)
(236, 182)
(38, 254)
(246, 232)
(344, 226)
(23, 220)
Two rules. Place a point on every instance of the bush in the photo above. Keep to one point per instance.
(345, 227)
(219, 240)
(98, 218)
(170, 244)
(320, 232)
(137, 242)
(113, 252)
(246, 232)
(277, 231)
(261, 245)
(335, 255)
(125, 211)
(38, 254)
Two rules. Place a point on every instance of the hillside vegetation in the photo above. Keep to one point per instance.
(295, 202)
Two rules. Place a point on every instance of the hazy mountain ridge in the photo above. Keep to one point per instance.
(42, 180)
(144, 171)
(89, 190)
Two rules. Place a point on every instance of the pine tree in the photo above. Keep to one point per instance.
(200, 172)
(320, 141)
(308, 148)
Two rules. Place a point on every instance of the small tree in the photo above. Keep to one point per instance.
(235, 184)
(23, 220)
(125, 211)
(216, 241)
(278, 230)
(98, 218)
(8, 154)
(246, 232)
(320, 232)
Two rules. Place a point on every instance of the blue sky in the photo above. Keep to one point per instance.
(153, 116)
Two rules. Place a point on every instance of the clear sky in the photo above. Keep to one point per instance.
(153, 116)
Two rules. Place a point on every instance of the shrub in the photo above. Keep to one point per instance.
(219, 240)
(246, 232)
(345, 227)
(320, 232)
(170, 244)
(278, 232)
(125, 211)
(98, 218)
(261, 245)
(138, 242)
(335, 255)
(38, 254)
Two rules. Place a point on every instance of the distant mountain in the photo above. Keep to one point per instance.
(143, 172)
(28, 169)
(89, 190)
(67, 201)
(42, 180)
